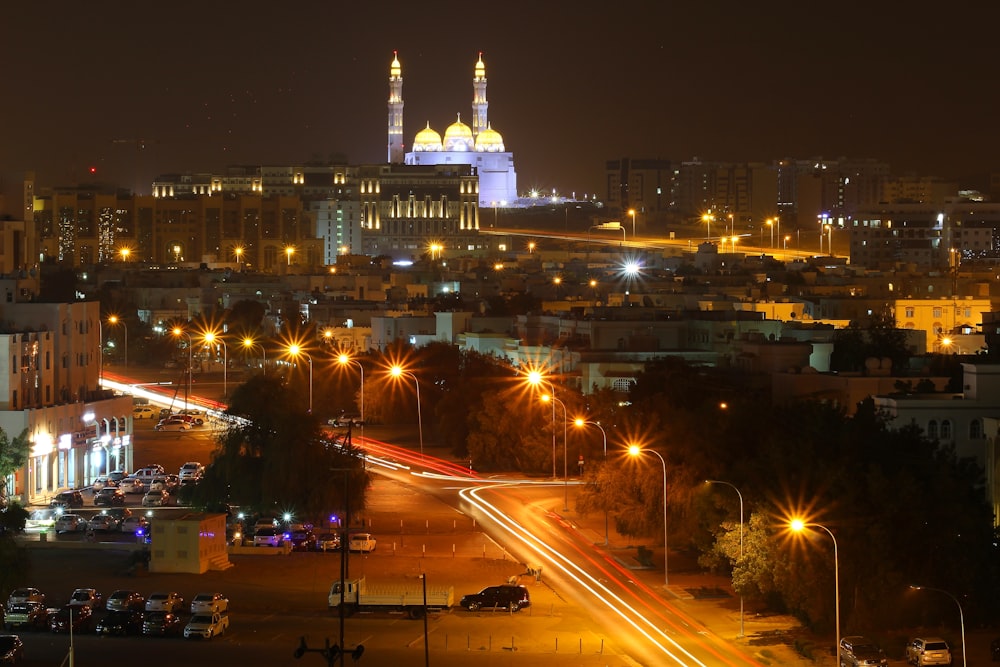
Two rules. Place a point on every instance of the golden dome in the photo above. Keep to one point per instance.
(458, 137)
(395, 69)
(480, 67)
(489, 141)
(427, 140)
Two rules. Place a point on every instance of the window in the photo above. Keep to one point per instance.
(932, 429)
(946, 429)
(975, 429)
(909, 312)
(937, 312)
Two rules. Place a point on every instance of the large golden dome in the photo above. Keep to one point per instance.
(427, 140)
(489, 141)
(458, 137)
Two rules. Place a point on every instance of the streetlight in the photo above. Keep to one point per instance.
(249, 343)
(289, 251)
(294, 351)
(635, 450)
(798, 525)
(733, 487)
(114, 319)
(125, 252)
(961, 616)
(238, 251)
(707, 218)
(531, 247)
(770, 224)
(210, 338)
(631, 212)
(535, 378)
(397, 371)
(549, 398)
(177, 331)
(344, 360)
(580, 423)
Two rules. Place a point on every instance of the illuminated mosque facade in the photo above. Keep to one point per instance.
(480, 146)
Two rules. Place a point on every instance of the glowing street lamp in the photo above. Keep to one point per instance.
(798, 525)
(535, 378)
(733, 487)
(295, 351)
(344, 360)
(961, 616)
(211, 337)
(636, 451)
(631, 212)
(113, 320)
(249, 343)
(580, 423)
(124, 253)
(397, 372)
(531, 247)
(707, 218)
(177, 331)
(238, 251)
(289, 251)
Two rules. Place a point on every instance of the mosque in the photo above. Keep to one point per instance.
(479, 146)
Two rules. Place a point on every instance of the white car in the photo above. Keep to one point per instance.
(209, 602)
(191, 470)
(102, 482)
(198, 416)
(172, 425)
(131, 524)
(172, 602)
(145, 412)
(19, 595)
(103, 522)
(363, 542)
(69, 523)
(156, 499)
(166, 483)
(132, 485)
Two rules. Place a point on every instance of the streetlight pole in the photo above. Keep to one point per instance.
(397, 371)
(294, 351)
(565, 446)
(631, 212)
(635, 450)
(961, 616)
(535, 378)
(798, 526)
(114, 319)
(581, 423)
(177, 332)
(733, 487)
(344, 360)
(211, 338)
(249, 343)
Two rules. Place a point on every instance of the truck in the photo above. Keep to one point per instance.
(207, 625)
(407, 598)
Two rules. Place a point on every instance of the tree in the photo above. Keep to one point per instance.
(274, 457)
(13, 456)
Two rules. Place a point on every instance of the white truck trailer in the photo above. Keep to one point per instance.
(407, 598)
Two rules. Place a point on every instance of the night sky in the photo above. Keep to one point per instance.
(571, 84)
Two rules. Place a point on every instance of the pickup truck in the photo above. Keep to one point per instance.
(206, 626)
(405, 597)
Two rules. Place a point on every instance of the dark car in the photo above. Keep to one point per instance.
(31, 615)
(80, 616)
(857, 651)
(109, 496)
(121, 623)
(125, 600)
(507, 596)
(67, 499)
(162, 624)
(303, 540)
(11, 649)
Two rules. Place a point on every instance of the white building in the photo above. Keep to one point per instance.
(338, 223)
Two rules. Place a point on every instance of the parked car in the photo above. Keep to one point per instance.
(103, 522)
(66, 499)
(197, 416)
(144, 412)
(168, 483)
(131, 524)
(117, 475)
(205, 625)
(856, 651)
(327, 542)
(81, 617)
(363, 542)
(124, 599)
(162, 624)
(109, 497)
(102, 482)
(302, 540)
(506, 596)
(346, 419)
(132, 485)
(120, 623)
(268, 537)
(209, 602)
(119, 513)
(29, 615)
(68, 523)
(156, 499)
(11, 649)
(87, 597)
(191, 469)
(25, 595)
(172, 602)
(170, 424)
(922, 651)
(149, 471)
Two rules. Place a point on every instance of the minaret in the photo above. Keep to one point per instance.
(395, 110)
(479, 103)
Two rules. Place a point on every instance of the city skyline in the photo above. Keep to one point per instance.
(200, 87)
